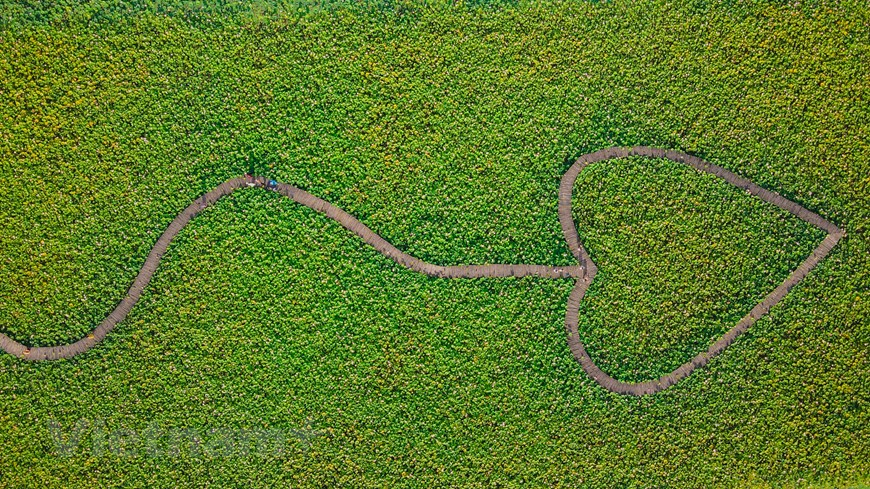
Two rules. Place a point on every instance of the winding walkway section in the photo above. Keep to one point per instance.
(583, 273)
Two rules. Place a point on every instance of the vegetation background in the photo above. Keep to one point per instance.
(445, 128)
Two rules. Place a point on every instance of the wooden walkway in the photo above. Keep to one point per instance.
(582, 273)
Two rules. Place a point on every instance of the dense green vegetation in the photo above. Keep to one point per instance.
(445, 130)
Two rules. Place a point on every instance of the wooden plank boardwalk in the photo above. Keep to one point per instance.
(583, 273)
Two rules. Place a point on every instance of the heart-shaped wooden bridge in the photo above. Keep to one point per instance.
(583, 273)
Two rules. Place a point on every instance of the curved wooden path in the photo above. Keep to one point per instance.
(570, 232)
(583, 273)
